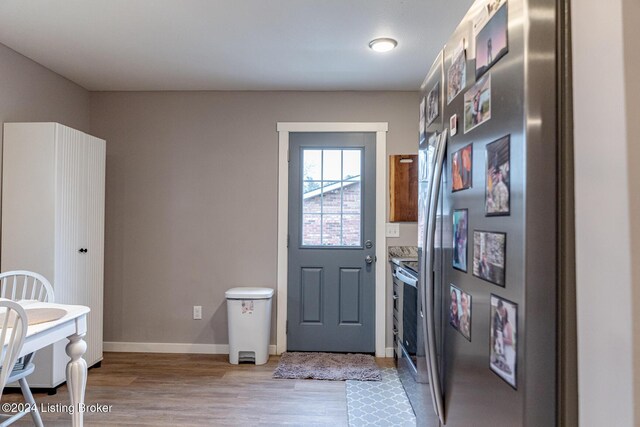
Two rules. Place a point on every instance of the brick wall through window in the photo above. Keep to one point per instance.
(332, 217)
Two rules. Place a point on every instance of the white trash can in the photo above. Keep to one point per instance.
(249, 318)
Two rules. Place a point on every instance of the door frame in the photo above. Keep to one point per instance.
(380, 129)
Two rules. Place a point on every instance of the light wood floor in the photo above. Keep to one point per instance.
(199, 390)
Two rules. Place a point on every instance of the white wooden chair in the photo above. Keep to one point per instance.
(25, 285)
(14, 326)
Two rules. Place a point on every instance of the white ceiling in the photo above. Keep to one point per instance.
(231, 44)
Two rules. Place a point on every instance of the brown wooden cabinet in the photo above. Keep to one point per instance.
(403, 188)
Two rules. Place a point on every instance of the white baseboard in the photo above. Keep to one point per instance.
(182, 348)
(159, 347)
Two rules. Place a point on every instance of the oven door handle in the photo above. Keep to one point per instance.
(428, 322)
(403, 277)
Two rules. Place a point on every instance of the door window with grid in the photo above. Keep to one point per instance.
(331, 197)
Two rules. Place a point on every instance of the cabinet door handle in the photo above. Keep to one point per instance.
(83, 250)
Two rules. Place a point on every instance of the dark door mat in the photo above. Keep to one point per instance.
(327, 366)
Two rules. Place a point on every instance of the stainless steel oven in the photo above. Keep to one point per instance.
(408, 332)
(406, 312)
(409, 337)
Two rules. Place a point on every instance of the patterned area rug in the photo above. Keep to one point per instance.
(327, 366)
(381, 403)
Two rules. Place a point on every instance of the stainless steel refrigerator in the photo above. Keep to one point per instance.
(491, 114)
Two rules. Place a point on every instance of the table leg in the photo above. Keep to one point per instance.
(76, 376)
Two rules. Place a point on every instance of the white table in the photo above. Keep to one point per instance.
(72, 326)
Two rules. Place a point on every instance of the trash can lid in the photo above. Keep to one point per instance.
(249, 293)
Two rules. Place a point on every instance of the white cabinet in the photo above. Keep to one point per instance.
(53, 223)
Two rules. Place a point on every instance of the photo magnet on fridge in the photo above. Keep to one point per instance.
(485, 14)
(457, 73)
(460, 311)
(453, 125)
(454, 316)
(498, 178)
(503, 342)
(433, 100)
(460, 235)
(492, 41)
(461, 168)
(489, 256)
(423, 124)
(477, 104)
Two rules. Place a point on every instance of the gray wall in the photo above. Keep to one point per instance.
(192, 198)
(30, 92)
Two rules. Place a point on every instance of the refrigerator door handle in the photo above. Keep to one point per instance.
(428, 322)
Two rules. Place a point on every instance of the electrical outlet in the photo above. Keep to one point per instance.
(197, 312)
(392, 230)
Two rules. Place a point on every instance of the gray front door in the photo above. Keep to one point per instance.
(331, 273)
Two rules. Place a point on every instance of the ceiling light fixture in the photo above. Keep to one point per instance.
(383, 44)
